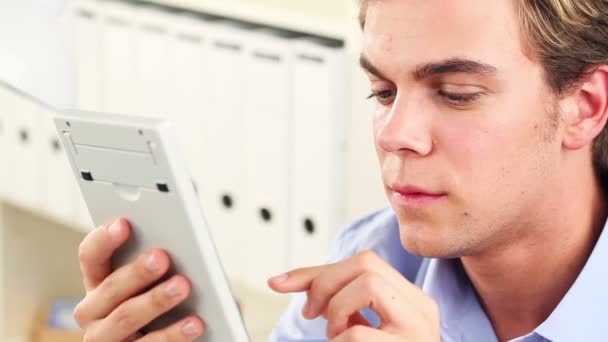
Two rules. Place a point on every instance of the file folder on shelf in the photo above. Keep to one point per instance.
(268, 113)
(191, 89)
(117, 57)
(220, 166)
(6, 105)
(319, 125)
(25, 140)
(86, 23)
(153, 61)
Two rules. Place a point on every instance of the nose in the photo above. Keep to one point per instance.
(406, 128)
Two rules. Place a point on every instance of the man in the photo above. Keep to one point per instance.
(489, 128)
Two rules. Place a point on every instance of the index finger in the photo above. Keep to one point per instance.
(301, 279)
(298, 280)
(323, 282)
(96, 250)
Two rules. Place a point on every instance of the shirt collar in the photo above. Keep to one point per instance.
(462, 317)
(580, 315)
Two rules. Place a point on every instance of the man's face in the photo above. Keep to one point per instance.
(464, 129)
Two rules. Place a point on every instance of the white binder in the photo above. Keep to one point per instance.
(117, 57)
(320, 108)
(219, 141)
(153, 62)
(25, 139)
(268, 112)
(6, 105)
(191, 94)
(85, 18)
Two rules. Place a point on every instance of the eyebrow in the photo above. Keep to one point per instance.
(446, 66)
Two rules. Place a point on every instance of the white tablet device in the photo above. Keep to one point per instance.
(131, 167)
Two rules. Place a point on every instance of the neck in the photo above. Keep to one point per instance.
(512, 280)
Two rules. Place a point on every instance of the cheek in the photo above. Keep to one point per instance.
(467, 148)
(485, 154)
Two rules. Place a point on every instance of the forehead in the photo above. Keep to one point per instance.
(419, 31)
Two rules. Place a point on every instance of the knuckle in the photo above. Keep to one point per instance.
(123, 319)
(334, 309)
(159, 301)
(366, 259)
(370, 282)
(84, 253)
(319, 289)
(80, 316)
(139, 269)
(110, 290)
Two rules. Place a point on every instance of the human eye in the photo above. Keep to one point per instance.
(385, 95)
(460, 96)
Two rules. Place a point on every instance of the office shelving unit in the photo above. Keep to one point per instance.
(38, 253)
(329, 19)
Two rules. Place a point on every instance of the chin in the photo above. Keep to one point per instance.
(429, 242)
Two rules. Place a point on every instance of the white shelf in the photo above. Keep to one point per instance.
(39, 262)
(331, 19)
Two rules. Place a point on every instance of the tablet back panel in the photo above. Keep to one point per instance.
(130, 167)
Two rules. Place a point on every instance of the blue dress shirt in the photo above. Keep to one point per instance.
(578, 317)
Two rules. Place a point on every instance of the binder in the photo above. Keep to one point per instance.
(268, 112)
(191, 94)
(25, 139)
(319, 125)
(86, 21)
(153, 62)
(217, 140)
(117, 57)
(6, 98)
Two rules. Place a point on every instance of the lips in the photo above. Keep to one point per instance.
(413, 190)
(410, 196)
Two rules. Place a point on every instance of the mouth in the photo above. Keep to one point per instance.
(412, 197)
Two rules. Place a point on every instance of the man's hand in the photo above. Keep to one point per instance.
(339, 291)
(115, 307)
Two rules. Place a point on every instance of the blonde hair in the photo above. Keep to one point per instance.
(570, 39)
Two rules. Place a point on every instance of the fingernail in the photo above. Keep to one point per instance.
(114, 229)
(173, 289)
(280, 278)
(151, 263)
(190, 329)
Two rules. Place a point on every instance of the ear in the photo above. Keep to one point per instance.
(587, 116)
